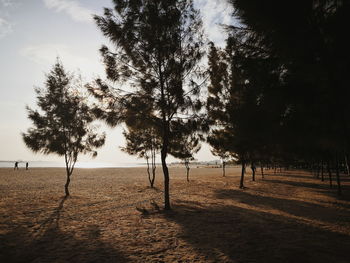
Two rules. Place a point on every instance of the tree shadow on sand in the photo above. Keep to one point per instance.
(300, 209)
(51, 244)
(322, 187)
(305, 175)
(235, 234)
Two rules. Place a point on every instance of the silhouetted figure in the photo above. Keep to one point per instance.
(27, 164)
(16, 166)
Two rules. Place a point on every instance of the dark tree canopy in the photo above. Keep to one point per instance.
(145, 144)
(62, 125)
(157, 46)
(284, 71)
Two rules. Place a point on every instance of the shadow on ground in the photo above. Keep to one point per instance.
(51, 244)
(323, 187)
(235, 234)
(300, 209)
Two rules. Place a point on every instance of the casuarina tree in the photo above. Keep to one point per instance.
(157, 47)
(145, 144)
(184, 146)
(62, 125)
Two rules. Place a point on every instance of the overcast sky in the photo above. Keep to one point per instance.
(33, 33)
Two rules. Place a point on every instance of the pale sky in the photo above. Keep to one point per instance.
(33, 33)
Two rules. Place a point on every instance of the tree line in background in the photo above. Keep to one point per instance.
(276, 95)
(278, 92)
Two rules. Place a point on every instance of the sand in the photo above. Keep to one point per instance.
(286, 217)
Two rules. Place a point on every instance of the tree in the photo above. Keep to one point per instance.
(146, 145)
(226, 105)
(217, 139)
(184, 146)
(158, 45)
(313, 53)
(242, 76)
(63, 124)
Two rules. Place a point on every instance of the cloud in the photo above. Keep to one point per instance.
(5, 27)
(73, 59)
(72, 8)
(6, 3)
(45, 54)
(214, 13)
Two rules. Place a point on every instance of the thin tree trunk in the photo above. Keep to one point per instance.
(329, 174)
(337, 175)
(68, 172)
(67, 185)
(253, 171)
(347, 164)
(262, 171)
(166, 177)
(187, 173)
(241, 184)
(318, 170)
(153, 169)
(164, 150)
(148, 173)
(223, 169)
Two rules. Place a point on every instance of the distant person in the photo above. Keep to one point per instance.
(27, 164)
(16, 166)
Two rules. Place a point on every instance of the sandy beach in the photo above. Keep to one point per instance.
(286, 217)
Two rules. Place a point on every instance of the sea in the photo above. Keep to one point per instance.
(47, 164)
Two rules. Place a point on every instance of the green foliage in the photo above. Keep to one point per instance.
(158, 45)
(143, 143)
(310, 56)
(146, 144)
(62, 125)
(185, 143)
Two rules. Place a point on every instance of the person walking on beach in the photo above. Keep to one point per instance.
(27, 164)
(16, 166)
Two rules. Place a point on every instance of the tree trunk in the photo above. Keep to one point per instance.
(188, 173)
(253, 171)
(163, 155)
(166, 177)
(166, 134)
(241, 184)
(67, 184)
(262, 171)
(154, 167)
(223, 169)
(337, 175)
(347, 164)
(68, 172)
(318, 171)
(149, 174)
(329, 174)
(153, 175)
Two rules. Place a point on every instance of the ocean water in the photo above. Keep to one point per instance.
(45, 164)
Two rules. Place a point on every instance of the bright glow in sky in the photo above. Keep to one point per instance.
(33, 33)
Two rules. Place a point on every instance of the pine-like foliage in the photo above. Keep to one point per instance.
(242, 77)
(145, 144)
(157, 47)
(62, 125)
(185, 145)
(292, 60)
